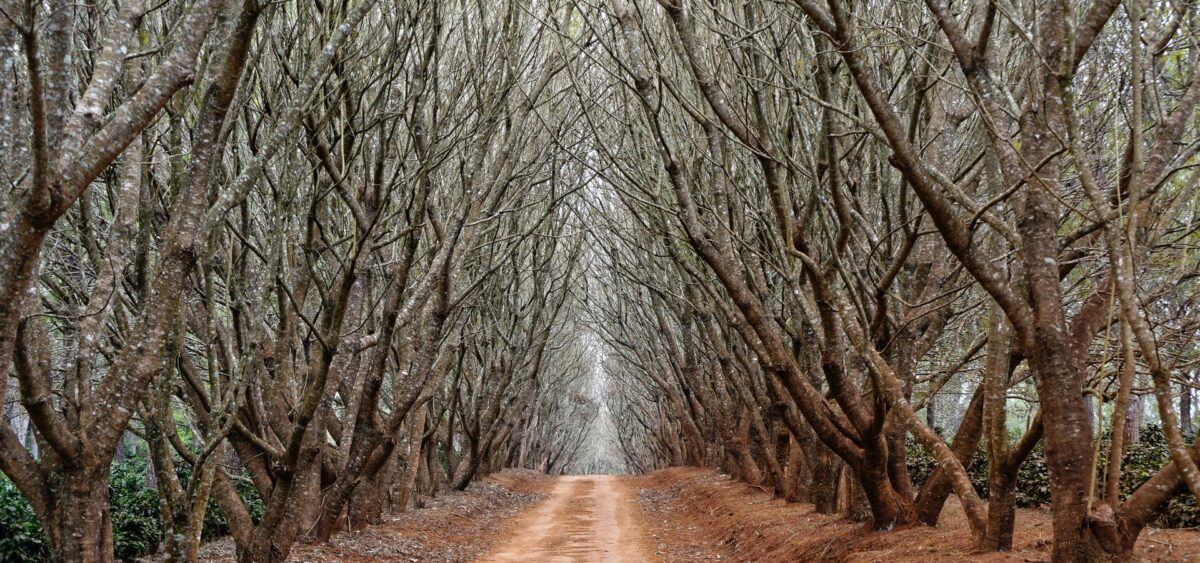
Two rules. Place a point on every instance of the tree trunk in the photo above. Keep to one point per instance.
(826, 467)
(1002, 510)
(897, 458)
(413, 460)
(931, 413)
(199, 507)
(1068, 451)
(851, 500)
(1185, 404)
(466, 469)
(81, 530)
(1133, 423)
(932, 496)
(367, 504)
(799, 477)
(889, 510)
(747, 468)
(292, 502)
(435, 472)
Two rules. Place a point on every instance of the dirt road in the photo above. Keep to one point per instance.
(585, 518)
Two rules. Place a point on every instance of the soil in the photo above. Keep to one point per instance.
(682, 514)
(452, 527)
(586, 518)
(699, 515)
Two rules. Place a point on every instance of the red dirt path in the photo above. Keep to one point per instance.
(585, 518)
(683, 514)
(698, 515)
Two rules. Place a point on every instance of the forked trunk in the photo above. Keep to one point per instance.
(889, 510)
(367, 503)
(935, 490)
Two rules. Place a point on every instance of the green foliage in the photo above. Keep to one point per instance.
(214, 521)
(1033, 479)
(137, 525)
(921, 464)
(21, 537)
(1141, 461)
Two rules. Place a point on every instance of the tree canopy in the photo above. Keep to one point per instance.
(341, 254)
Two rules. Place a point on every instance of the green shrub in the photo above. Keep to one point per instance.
(21, 537)
(921, 464)
(136, 523)
(1140, 462)
(1033, 480)
(920, 461)
(214, 521)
